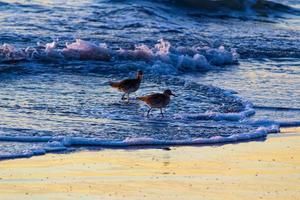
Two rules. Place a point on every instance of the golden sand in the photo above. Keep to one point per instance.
(245, 171)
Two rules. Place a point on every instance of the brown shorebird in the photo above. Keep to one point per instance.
(128, 85)
(157, 100)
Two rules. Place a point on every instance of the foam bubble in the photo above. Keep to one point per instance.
(9, 53)
(85, 50)
(141, 52)
(52, 52)
(20, 148)
(182, 58)
(197, 62)
(247, 112)
(62, 143)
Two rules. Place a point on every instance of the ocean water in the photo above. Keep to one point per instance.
(234, 66)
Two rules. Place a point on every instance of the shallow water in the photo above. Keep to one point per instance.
(272, 85)
(56, 95)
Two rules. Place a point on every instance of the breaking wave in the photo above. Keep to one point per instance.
(180, 58)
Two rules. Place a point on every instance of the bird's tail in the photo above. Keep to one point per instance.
(114, 84)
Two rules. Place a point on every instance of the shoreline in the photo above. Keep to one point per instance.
(140, 143)
(249, 170)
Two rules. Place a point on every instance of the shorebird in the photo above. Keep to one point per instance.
(157, 100)
(128, 85)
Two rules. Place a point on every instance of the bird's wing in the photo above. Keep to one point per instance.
(127, 83)
(156, 98)
(153, 100)
(147, 97)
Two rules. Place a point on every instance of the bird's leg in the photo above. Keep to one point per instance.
(148, 113)
(123, 96)
(162, 114)
(127, 97)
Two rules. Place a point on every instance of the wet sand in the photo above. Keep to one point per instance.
(268, 169)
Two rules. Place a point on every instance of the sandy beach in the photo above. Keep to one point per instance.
(150, 99)
(253, 170)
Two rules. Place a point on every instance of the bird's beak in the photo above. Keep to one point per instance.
(174, 95)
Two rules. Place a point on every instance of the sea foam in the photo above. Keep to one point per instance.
(54, 144)
(175, 59)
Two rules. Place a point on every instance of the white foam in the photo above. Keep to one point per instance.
(247, 112)
(60, 143)
(180, 59)
(53, 144)
(260, 132)
(85, 50)
(141, 52)
(9, 53)
(44, 146)
(183, 59)
(52, 52)
(32, 152)
(220, 56)
(196, 63)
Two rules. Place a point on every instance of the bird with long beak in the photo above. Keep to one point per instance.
(157, 100)
(128, 85)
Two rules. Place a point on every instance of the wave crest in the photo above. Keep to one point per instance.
(179, 58)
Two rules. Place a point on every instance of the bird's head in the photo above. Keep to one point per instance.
(139, 74)
(169, 93)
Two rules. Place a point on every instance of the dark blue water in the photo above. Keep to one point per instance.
(233, 64)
